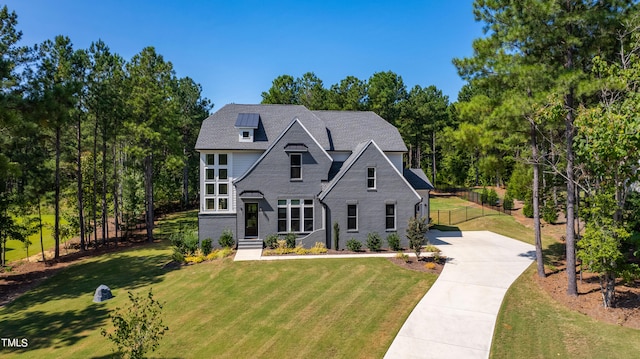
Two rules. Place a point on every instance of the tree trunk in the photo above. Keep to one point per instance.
(572, 288)
(536, 202)
(608, 289)
(433, 158)
(80, 190)
(41, 234)
(105, 229)
(95, 180)
(56, 226)
(148, 189)
(115, 191)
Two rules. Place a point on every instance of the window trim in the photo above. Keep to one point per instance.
(387, 216)
(303, 203)
(373, 178)
(215, 163)
(292, 166)
(355, 217)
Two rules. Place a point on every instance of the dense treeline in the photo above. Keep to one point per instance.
(92, 136)
(550, 111)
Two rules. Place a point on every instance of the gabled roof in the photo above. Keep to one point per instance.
(273, 143)
(417, 178)
(333, 130)
(346, 166)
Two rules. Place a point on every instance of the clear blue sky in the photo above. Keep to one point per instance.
(235, 49)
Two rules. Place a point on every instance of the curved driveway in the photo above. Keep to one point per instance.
(457, 316)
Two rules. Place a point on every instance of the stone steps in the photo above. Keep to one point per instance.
(251, 243)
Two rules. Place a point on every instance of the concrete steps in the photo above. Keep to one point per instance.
(250, 243)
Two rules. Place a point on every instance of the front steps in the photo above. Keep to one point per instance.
(251, 243)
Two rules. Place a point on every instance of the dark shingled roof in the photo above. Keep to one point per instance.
(334, 130)
(417, 178)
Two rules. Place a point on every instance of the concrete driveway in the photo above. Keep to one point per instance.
(457, 316)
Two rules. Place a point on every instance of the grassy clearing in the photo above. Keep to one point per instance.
(297, 308)
(15, 249)
(443, 203)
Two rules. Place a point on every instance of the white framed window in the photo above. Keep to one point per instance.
(352, 217)
(296, 166)
(390, 217)
(371, 178)
(295, 215)
(217, 183)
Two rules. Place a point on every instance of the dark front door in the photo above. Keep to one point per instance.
(250, 219)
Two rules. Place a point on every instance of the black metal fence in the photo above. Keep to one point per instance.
(459, 215)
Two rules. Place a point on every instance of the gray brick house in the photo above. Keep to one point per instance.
(275, 169)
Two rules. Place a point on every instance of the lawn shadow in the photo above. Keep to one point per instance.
(554, 254)
(53, 330)
(119, 271)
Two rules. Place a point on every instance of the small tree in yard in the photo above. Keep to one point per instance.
(416, 231)
(138, 327)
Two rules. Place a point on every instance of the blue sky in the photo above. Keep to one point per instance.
(235, 49)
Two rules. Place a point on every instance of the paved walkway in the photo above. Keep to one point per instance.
(457, 316)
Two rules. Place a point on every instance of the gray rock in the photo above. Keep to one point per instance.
(102, 293)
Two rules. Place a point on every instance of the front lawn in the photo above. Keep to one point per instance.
(297, 308)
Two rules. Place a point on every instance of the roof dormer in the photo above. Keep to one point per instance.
(246, 124)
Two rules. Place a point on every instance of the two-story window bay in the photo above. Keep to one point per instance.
(278, 169)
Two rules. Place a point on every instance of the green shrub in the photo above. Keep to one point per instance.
(336, 236)
(206, 246)
(527, 209)
(416, 230)
(492, 197)
(226, 239)
(290, 238)
(186, 241)
(354, 245)
(271, 241)
(507, 202)
(393, 239)
(374, 241)
(549, 212)
(177, 255)
(484, 196)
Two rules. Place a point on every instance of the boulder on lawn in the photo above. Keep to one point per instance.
(102, 293)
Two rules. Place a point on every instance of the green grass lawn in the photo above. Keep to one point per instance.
(16, 250)
(300, 308)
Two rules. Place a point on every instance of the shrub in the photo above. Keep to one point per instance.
(492, 197)
(393, 239)
(430, 265)
(549, 212)
(431, 248)
(507, 202)
(194, 259)
(271, 241)
(403, 256)
(138, 326)
(177, 256)
(290, 238)
(206, 246)
(300, 250)
(527, 209)
(186, 241)
(484, 196)
(416, 229)
(226, 239)
(318, 248)
(354, 245)
(374, 241)
(336, 236)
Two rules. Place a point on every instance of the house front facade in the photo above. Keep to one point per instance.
(278, 169)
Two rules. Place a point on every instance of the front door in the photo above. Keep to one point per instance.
(251, 220)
